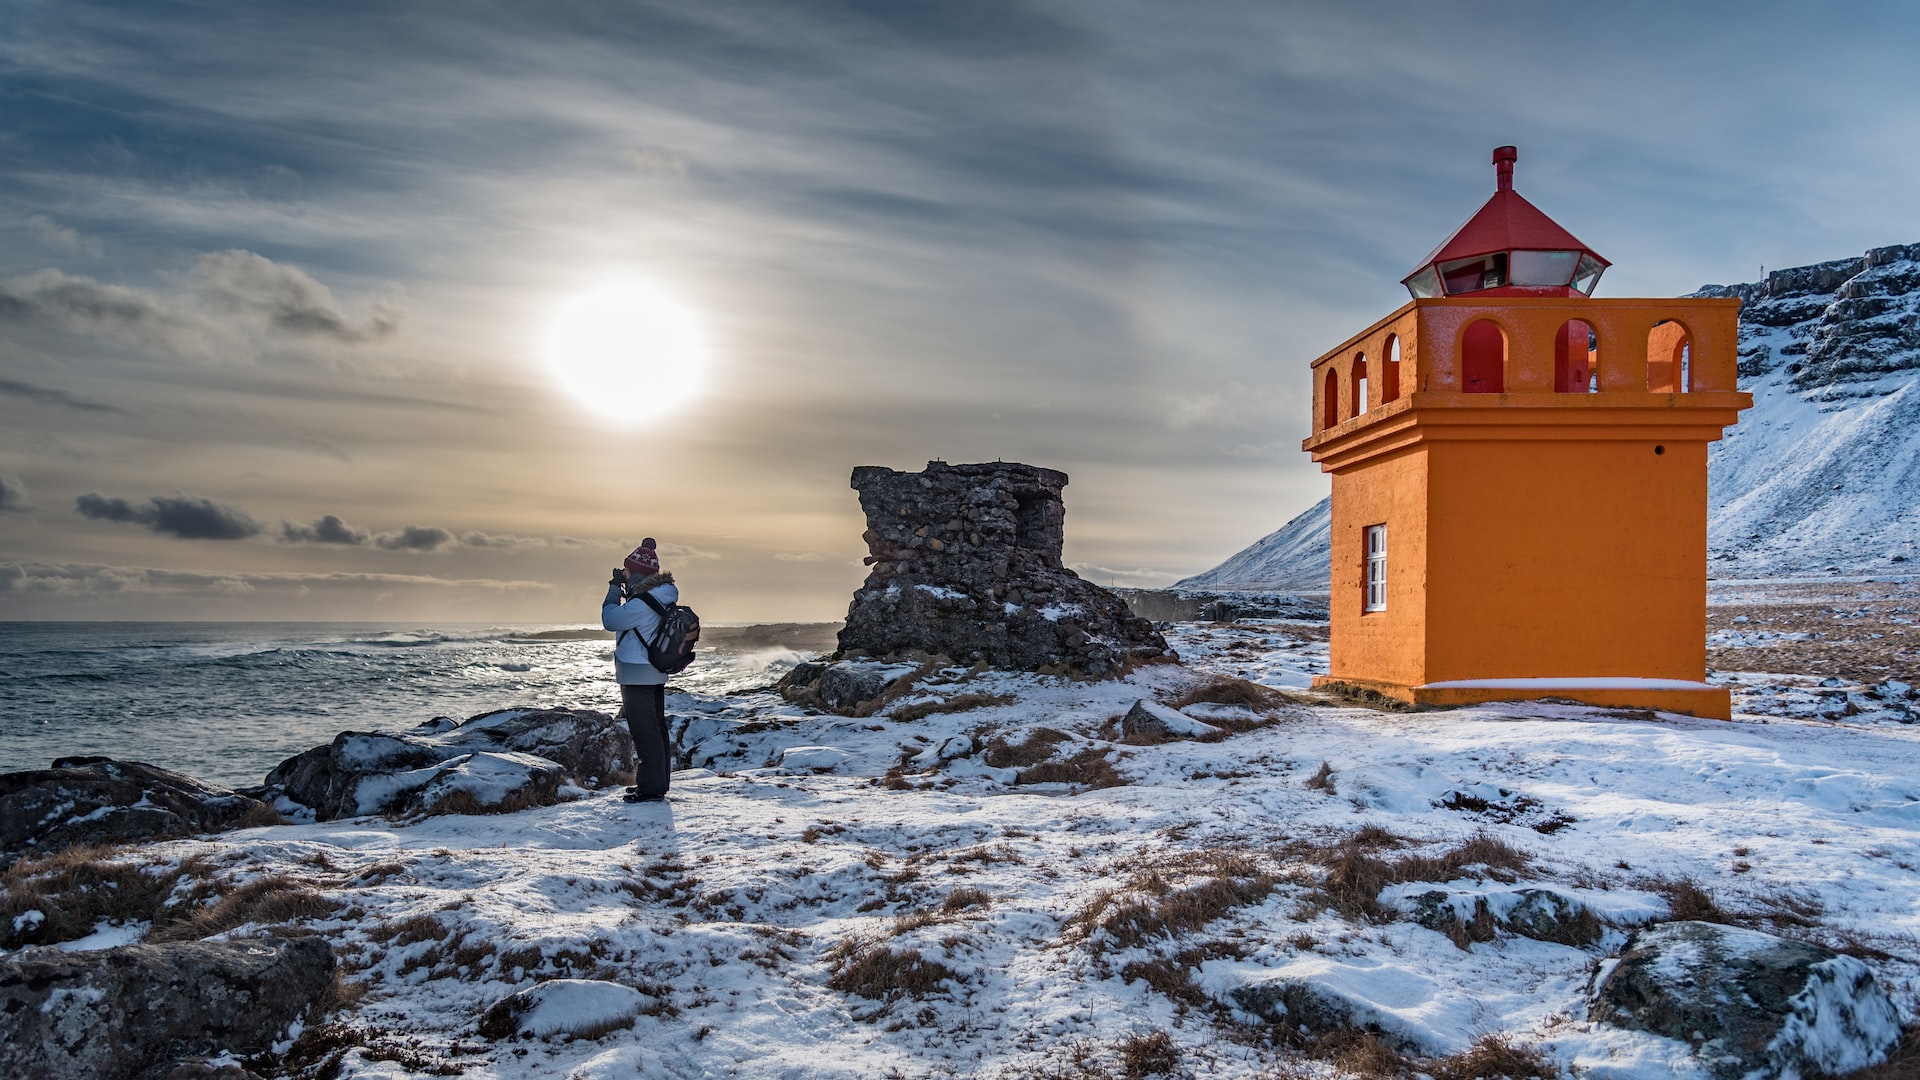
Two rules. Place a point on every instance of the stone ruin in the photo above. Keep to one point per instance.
(966, 565)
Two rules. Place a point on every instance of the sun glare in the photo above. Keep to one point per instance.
(630, 351)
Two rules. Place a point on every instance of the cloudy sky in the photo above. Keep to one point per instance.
(280, 283)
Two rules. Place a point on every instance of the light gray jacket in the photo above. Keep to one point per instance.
(620, 613)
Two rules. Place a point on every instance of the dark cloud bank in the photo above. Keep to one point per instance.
(184, 516)
(13, 495)
(326, 529)
(195, 518)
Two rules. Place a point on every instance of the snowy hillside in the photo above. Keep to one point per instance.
(1291, 559)
(1821, 475)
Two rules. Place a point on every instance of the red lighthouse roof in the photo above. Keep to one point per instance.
(1508, 248)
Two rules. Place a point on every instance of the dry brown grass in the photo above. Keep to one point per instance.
(77, 888)
(266, 901)
(1492, 1057)
(1172, 976)
(1036, 748)
(1149, 1054)
(378, 872)
(1322, 779)
(1090, 768)
(1228, 690)
(920, 710)
(963, 898)
(408, 931)
(878, 972)
(1687, 901)
(1363, 1054)
(259, 816)
(1853, 632)
(1355, 873)
(1150, 906)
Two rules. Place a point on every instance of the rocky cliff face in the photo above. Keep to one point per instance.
(1832, 323)
(1821, 476)
(966, 564)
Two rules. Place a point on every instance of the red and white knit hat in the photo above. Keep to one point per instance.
(645, 559)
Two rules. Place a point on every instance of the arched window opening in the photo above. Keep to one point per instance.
(1483, 358)
(1330, 400)
(1576, 356)
(1360, 402)
(1390, 371)
(1669, 358)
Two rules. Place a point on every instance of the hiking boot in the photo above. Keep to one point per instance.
(634, 794)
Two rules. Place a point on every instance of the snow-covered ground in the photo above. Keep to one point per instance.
(878, 897)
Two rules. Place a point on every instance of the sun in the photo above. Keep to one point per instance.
(629, 351)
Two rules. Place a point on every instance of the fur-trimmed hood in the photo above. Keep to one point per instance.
(649, 583)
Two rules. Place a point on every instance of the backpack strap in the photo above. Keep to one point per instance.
(659, 609)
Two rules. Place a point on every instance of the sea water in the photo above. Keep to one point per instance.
(226, 702)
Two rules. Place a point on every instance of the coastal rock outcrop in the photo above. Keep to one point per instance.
(966, 565)
(1749, 1003)
(496, 762)
(131, 1012)
(97, 800)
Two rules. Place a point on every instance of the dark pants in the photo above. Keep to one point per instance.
(646, 709)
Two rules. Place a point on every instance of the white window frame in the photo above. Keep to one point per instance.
(1374, 578)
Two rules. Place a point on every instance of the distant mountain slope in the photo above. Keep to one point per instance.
(1293, 559)
(1823, 473)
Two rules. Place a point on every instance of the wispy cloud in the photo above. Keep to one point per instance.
(47, 395)
(56, 237)
(231, 304)
(286, 298)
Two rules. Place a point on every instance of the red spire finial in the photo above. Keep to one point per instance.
(1503, 159)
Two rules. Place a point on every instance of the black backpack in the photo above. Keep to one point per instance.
(671, 649)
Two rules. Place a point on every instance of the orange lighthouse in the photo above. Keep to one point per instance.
(1520, 478)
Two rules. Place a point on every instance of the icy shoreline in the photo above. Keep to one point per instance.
(739, 929)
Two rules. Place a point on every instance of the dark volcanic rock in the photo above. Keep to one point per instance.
(133, 1011)
(847, 687)
(966, 565)
(1747, 1001)
(96, 800)
(498, 761)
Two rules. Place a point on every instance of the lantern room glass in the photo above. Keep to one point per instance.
(1588, 275)
(1472, 275)
(1552, 268)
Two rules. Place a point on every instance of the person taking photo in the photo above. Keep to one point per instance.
(643, 687)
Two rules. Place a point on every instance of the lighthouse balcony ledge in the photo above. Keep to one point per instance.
(1533, 354)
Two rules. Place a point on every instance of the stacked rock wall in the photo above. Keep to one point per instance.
(966, 564)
